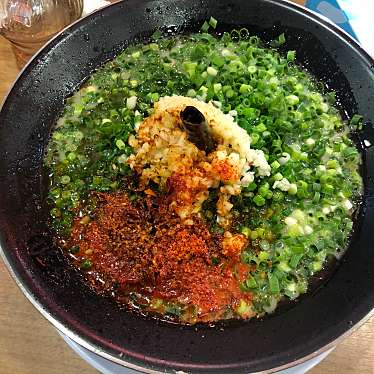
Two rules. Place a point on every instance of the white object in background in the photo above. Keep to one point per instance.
(335, 15)
(107, 367)
(353, 16)
(360, 14)
(91, 5)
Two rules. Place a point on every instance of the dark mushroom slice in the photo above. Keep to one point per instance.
(198, 132)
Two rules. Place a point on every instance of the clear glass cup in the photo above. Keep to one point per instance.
(29, 24)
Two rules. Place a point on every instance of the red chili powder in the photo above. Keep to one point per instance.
(143, 247)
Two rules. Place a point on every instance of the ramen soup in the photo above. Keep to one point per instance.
(201, 178)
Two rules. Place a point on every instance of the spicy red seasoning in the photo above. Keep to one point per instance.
(140, 251)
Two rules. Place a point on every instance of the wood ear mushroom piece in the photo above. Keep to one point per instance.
(198, 132)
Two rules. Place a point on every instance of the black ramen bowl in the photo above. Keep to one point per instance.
(311, 325)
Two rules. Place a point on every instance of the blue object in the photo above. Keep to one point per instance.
(332, 10)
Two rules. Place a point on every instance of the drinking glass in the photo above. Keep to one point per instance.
(28, 24)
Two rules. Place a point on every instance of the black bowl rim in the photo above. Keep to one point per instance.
(68, 332)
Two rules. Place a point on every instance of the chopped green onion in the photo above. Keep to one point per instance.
(86, 264)
(157, 35)
(356, 120)
(252, 69)
(212, 71)
(74, 249)
(275, 165)
(245, 231)
(120, 144)
(213, 22)
(291, 55)
(205, 26)
(251, 282)
(273, 283)
(281, 39)
(243, 309)
(259, 200)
